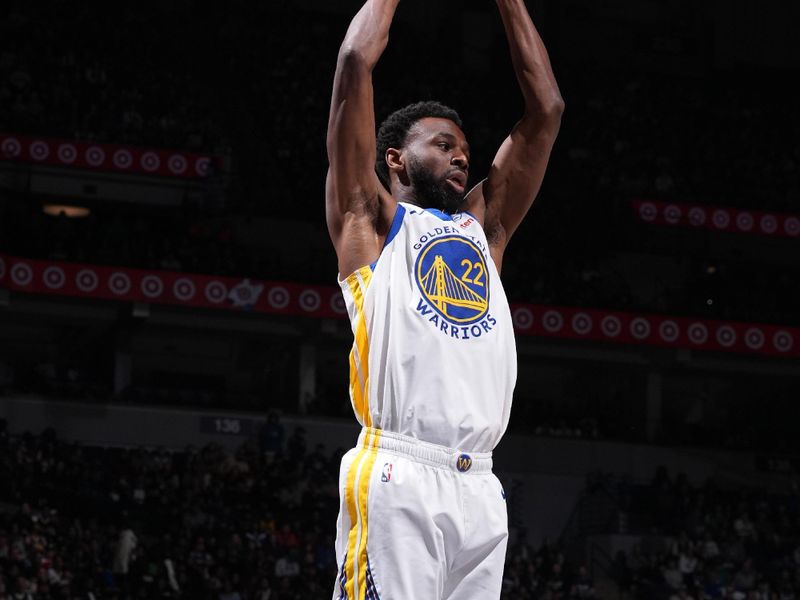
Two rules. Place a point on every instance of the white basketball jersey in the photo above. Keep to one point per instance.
(434, 356)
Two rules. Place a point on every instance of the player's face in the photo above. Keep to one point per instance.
(438, 163)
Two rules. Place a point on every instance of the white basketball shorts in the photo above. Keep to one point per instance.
(418, 521)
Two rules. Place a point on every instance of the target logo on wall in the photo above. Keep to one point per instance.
(721, 218)
(783, 341)
(697, 216)
(152, 286)
(278, 297)
(338, 304)
(54, 277)
(67, 153)
(672, 214)
(184, 289)
(611, 326)
(177, 164)
(552, 321)
(119, 283)
(522, 318)
(581, 323)
(11, 148)
(791, 226)
(21, 273)
(123, 159)
(310, 300)
(95, 156)
(744, 221)
(150, 161)
(86, 280)
(202, 166)
(698, 333)
(726, 336)
(640, 328)
(754, 338)
(39, 150)
(216, 292)
(669, 330)
(648, 211)
(769, 224)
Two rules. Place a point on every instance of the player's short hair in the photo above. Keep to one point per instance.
(394, 130)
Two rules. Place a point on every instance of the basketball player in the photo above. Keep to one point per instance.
(433, 363)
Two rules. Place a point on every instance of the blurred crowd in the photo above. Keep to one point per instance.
(108, 523)
(707, 542)
(257, 524)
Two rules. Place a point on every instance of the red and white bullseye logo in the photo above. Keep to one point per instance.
(202, 166)
(648, 211)
(21, 273)
(783, 341)
(54, 277)
(697, 216)
(581, 323)
(726, 336)
(698, 333)
(119, 283)
(86, 280)
(792, 226)
(672, 214)
(39, 150)
(11, 147)
(744, 221)
(67, 153)
(522, 318)
(611, 326)
(278, 297)
(309, 300)
(95, 156)
(754, 338)
(177, 164)
(152, 286)
(123, 159)
(769, 224)
(721, 218)
(338, 304)
(184, 289)
(150, 161)
(216, 292)
(552, 321)
(640, 328)
(669, 330)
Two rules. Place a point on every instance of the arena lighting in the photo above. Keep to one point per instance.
(73, 212)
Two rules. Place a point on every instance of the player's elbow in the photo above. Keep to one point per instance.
(552, 107)
(353, 59)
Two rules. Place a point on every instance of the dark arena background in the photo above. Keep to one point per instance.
(173, 345)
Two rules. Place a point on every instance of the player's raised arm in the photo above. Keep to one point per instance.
(352, 189)
(518, 168)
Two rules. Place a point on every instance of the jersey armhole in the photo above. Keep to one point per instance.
(394, 228)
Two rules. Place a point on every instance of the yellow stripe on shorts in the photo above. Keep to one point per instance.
(356, 496)
(359, 281)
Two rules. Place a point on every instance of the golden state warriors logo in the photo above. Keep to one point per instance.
(464, 463)
(451, 274)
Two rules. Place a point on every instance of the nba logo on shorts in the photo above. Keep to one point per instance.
(386, 474)
(464, 463)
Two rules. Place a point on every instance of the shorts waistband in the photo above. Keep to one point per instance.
(425, 452)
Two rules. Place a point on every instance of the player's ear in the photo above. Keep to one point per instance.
(396, 161)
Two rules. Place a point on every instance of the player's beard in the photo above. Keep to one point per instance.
(430, 192)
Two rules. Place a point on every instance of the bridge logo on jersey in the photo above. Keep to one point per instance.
(452, 276)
